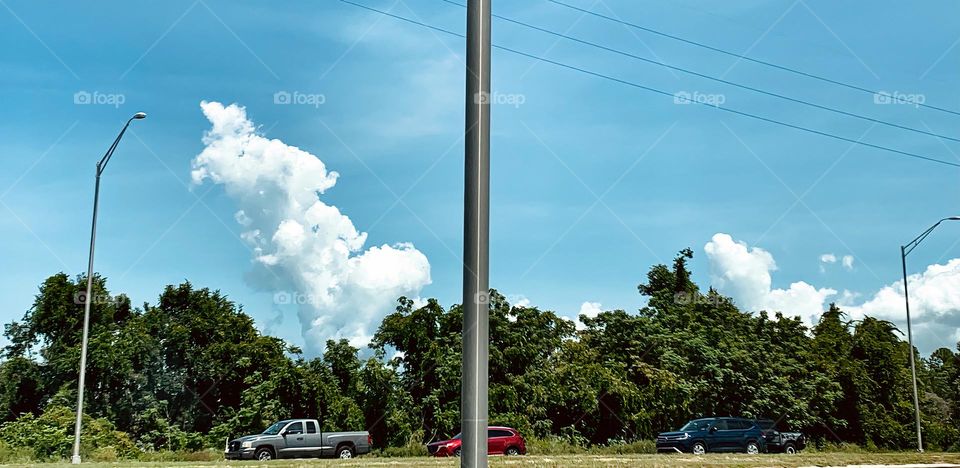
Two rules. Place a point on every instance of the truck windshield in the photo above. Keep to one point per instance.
(274, 428)
(696, 425)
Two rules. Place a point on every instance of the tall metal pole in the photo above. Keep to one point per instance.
(913, 368)
(476, 237)
(88, 299)
(86, 324)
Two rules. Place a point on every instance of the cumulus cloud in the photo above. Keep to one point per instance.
(934, 305)
(301, 244)
(743, 273)
(588, 309)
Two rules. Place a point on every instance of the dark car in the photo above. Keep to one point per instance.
(500, 440)
(779, 439)
(714, 435)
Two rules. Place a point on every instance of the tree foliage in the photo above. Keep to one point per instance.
(192, 369)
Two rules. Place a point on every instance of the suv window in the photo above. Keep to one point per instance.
(721, 425)
(739, 424)
(498, 433)
(295, 428)
(311, 427)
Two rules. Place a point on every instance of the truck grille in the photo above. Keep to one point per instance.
(234, 446)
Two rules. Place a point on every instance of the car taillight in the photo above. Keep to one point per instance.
(369, 439)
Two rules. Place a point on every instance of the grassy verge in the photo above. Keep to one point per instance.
(581, 460)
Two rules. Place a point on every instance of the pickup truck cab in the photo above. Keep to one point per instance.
(297, 438)
(779, 439)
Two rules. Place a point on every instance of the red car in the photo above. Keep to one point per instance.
(500, 441)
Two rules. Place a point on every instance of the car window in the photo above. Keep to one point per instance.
(274, 428)
(498, 433)
(737, 424)
(311, 427)
(295, 428)
(721, 425)
(696, 425)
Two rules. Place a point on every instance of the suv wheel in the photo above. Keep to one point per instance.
(345, 452)
(698, 448)
(753, 448)
(512, 451)
(789, 449)
(263, 454)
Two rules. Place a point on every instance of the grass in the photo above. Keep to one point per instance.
(531, 461)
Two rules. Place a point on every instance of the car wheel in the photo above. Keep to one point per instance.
(512, 451)
(456, 452)
(263, 454)
(345, 452)
(789, 449)
(698, 448)
(753, 448)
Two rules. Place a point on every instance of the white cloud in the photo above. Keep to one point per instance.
(590, 309)
(934, 305)
(743, 273)
(300, 243)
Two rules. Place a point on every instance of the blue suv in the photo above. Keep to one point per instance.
(714, 435)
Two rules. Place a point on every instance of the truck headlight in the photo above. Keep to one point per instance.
(247, 444)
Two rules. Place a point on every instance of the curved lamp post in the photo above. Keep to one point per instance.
(101, 165)
(904, 251)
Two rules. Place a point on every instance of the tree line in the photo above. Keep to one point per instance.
(192, 370)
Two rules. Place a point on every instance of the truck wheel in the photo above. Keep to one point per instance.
(789, 449)
(263, 454)
(753, 448)
(345, 451)
(511, 451)
(698, 448)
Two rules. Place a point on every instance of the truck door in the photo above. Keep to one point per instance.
(313, 439)
(295, 441)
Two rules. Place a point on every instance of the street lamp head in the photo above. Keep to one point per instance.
(140, 115)
(954, 218)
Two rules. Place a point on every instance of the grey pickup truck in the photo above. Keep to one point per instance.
(298, 438)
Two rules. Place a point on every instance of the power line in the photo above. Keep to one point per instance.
(719, 80)
(739, 56)
(658, 91)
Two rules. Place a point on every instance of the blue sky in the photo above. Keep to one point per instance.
(592, 181)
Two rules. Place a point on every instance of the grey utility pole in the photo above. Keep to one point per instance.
(904, 251)
(101, 165)
(476, 239)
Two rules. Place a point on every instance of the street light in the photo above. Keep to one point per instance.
(101, 165)
(904, 251)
